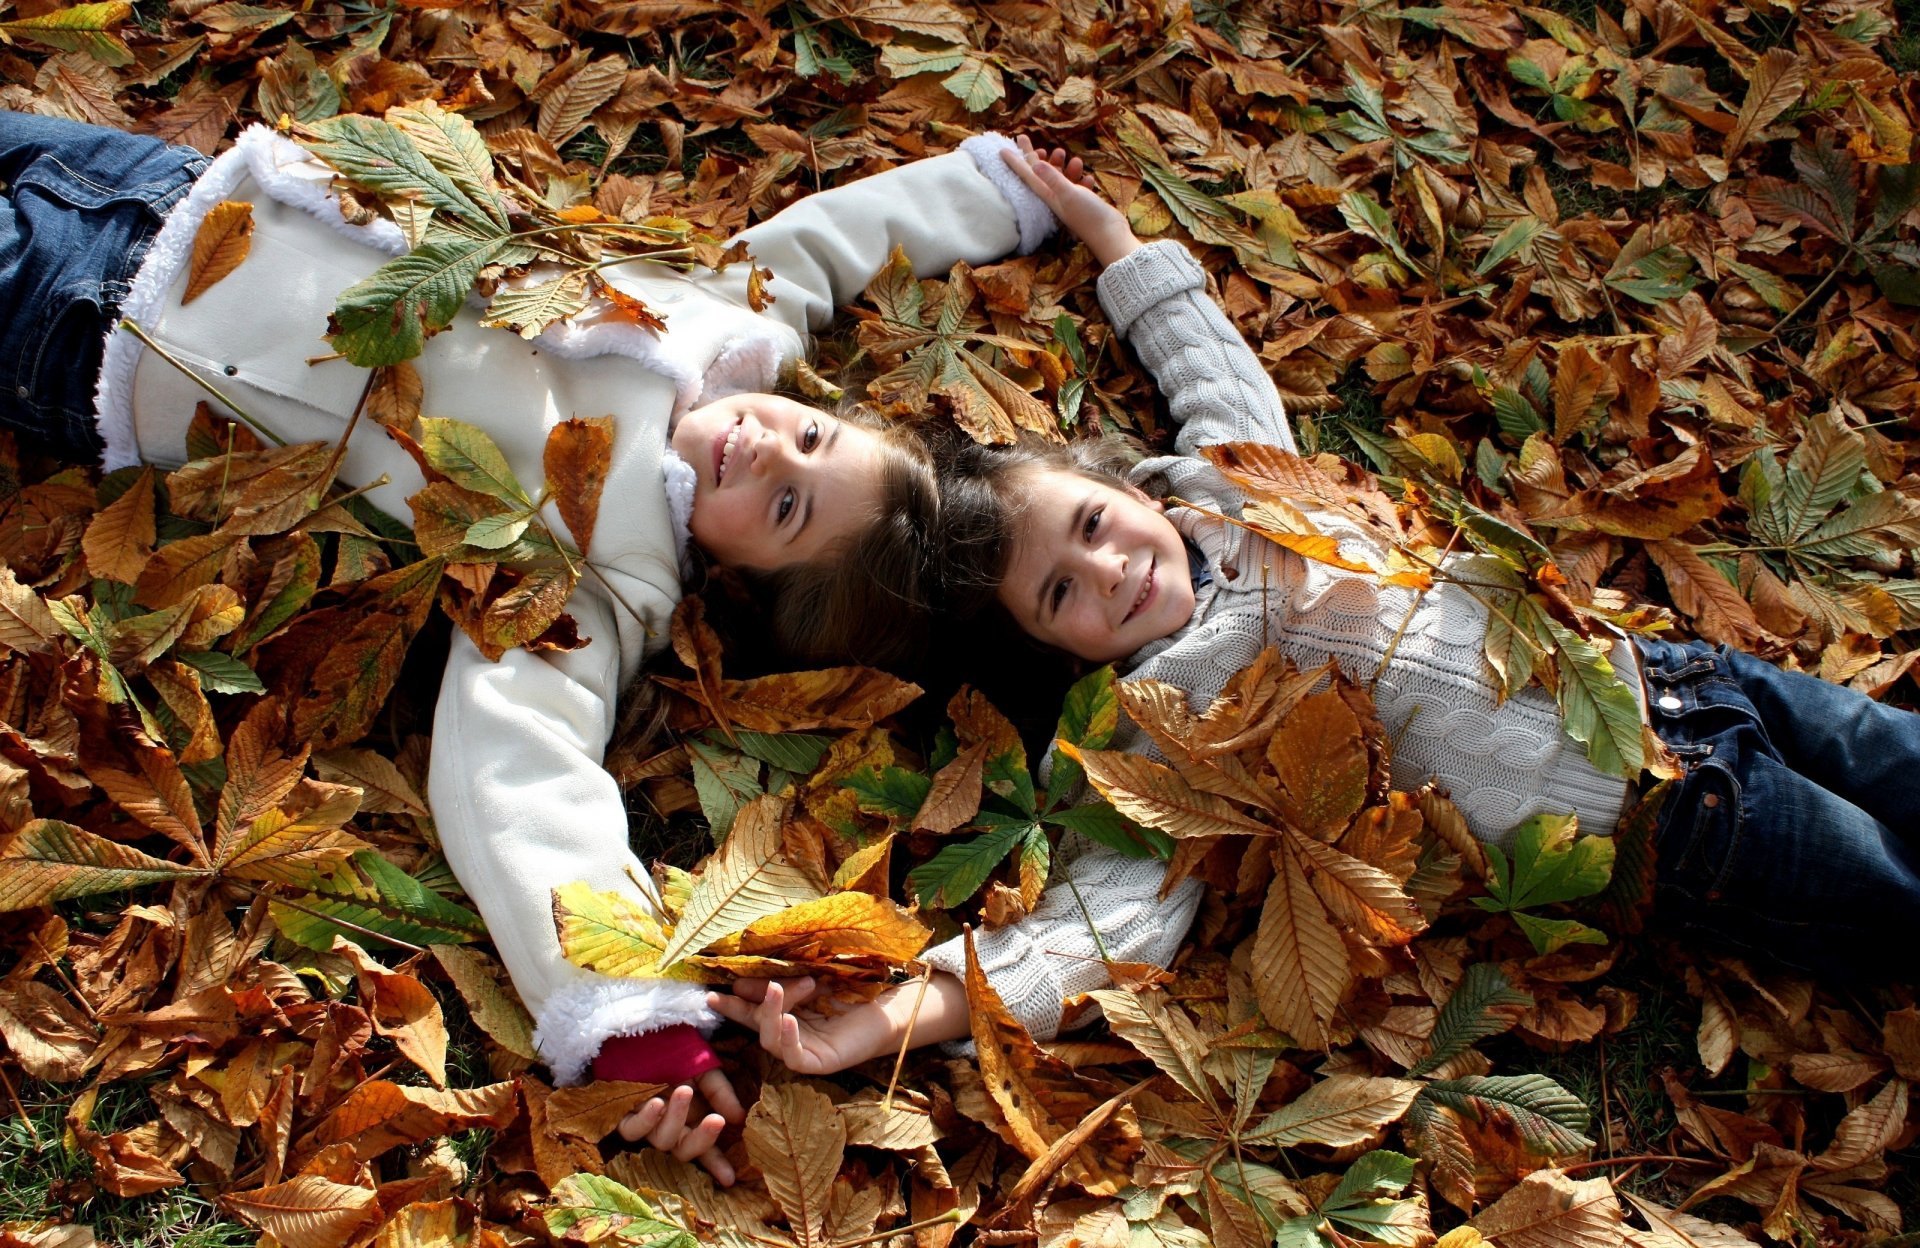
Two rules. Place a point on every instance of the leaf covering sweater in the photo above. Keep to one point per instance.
(1436, 697)
(520, 799)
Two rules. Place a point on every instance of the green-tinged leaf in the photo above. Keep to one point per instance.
(84, 28)
(1551, 863)
(528, 310)
(1551, 1120)
(497, 532)
(385, 159)
(1470, 1015)
(1363, 214)
(386, 901)
(51, 861)
(1088, 718)
(1100, 822)
(470, 458)
(612, 934)
(889, 790)
(221, 673)
(958, 870)
(724, 780)
(1549, 935)
(1363, 1202)
(1512, 239)
(454, 147)
(385, 317)
(1596, 707)
(904, 60)
(797, 752)
(593, 1209)
(811, 58)
(976, 84)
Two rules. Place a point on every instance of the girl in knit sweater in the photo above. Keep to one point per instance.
(1791, 831)
(96, 225)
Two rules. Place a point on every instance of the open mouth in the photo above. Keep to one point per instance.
(723, 448)
(1148, 587)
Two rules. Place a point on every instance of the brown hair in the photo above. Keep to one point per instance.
(867, 600)
(983, 493)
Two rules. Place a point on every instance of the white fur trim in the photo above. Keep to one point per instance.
(681, 482)
(1029, 211)
(285, 171)
(755, 346)
(581, 1016)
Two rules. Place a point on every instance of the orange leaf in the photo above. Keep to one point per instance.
(309, 1211)
(119, 539)
(578, 454)
(222, 242)
(403, 1011)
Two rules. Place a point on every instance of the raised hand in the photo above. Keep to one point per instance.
(663, 1123)
(1063, 184)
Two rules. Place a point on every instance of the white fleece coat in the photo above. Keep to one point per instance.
(519, 795)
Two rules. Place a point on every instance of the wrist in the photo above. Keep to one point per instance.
(943, 1011)
(1113, 246)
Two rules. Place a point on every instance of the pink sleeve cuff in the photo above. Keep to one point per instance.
(676, 1054)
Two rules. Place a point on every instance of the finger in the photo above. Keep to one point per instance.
(1025, 144)
(701, 1138)
(637, 1124)
(750, 989)
(718, 1166)
(718, 1089)
(1057, 157)
(791, 1051)
(1026, 167)
(796, 992)
(772, 1010)
(672, 1127)
(731, 1008)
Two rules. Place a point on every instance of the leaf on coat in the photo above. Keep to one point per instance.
(578, 456)
(220, 246)
(747, 880)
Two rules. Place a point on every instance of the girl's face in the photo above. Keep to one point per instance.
(779, 483)
(1096, 571)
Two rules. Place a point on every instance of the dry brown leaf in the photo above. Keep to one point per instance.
(1549, 1210)
(220, 246)
(797, 1138)
(402, 1010)
(578, 454)
(120, 538)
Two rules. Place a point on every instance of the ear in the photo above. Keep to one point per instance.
(1141, 496)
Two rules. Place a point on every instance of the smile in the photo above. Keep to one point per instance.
(723, 447)
(1147, 588)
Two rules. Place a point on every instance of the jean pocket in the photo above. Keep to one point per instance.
(1701, 833)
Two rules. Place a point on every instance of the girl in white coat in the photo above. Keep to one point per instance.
(99, 225)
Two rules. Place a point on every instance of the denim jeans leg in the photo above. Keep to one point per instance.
(1756, 854)
(79, 205)
(1849, 744)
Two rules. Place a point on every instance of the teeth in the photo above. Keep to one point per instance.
(1145, 585)
(726, 452)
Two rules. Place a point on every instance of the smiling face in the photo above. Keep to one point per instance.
(1097, 571)
(779, 482)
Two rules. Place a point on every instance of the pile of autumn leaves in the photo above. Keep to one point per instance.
(266, 981)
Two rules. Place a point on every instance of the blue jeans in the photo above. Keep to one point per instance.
(79, 205)
(1796, 829)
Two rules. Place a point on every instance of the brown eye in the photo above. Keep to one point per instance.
(810, 439)
(787, 501)
(1092, 525)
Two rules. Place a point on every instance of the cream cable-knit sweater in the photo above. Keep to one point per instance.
(519, 796)
(1436, 698)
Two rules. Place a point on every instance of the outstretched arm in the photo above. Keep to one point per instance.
(1155, 295)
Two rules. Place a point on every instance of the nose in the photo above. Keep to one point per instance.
(764, 446)
(1108, 568)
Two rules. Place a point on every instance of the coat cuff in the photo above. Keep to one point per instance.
(1159, 270)
(1032, 215)
(581, 1017)
(672, 1055)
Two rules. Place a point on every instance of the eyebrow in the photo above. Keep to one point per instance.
(806, 517)
(1073, 526)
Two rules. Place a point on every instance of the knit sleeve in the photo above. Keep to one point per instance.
(1101, 904)
(1214, 384)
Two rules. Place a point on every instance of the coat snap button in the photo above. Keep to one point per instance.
(1669, 703)
(1710, 800)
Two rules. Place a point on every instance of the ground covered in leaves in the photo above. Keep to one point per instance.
(1620, 296)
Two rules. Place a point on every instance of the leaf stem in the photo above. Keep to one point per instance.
(1637, 1159)
(906, 1040)
(18, 1108)
(948, 1218)
(133, 327)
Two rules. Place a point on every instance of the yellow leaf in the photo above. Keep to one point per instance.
(612, 934)
(842, 924)
(219, 246)
(745, 881)
(1358, 893)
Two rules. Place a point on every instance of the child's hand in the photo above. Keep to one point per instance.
(1064, 186)
(813, 1044)
(663, 1124)
(809, 1043)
